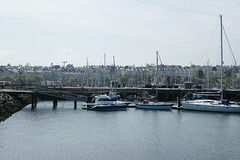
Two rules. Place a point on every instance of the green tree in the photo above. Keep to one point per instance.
(199, 74)
(172, 80)
(34, 78)
(229, 73)
(22, 77)
(166, 80)
(199, 81)
(178, 79)
(72, 81)
(123, 80)
(7, 78)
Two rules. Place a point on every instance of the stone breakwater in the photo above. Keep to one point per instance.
(12, 104)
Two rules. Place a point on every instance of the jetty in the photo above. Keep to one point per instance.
(78, 93)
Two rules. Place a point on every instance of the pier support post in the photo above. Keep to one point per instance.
(34, 101)
(75, 104)
(54, 104)
(179, 97)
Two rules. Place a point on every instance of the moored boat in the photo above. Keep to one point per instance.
(211, 106)
(154, 105)
(222, 105)
(147, 104)
(109, 107)
(104, 103)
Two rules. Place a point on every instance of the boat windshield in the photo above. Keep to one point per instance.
(104, 99)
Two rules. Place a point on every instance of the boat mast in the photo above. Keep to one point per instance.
(157, 75)
(87, 72)
(104, 74)
(221, 57)
(115, 75)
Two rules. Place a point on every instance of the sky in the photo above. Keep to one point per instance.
(184, 32)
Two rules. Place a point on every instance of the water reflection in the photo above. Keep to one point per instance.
(65, 133)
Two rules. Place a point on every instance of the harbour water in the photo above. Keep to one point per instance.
(64, 133)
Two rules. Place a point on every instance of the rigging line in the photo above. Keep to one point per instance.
(233, 98)
(229, 46)
(162, 65)
(166, 82)
(235, 63)
(211, 41)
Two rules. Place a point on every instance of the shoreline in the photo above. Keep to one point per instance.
(9, 105)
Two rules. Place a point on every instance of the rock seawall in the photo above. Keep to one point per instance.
(12, 104)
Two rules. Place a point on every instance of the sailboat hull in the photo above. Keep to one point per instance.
(155, 106)
(112, 107)
(211, 108)
(212, 105)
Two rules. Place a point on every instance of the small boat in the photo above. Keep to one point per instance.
(144, 97)
(210, 105)
(114, 96)
(154, 105)
(147, 104)
(104, 103)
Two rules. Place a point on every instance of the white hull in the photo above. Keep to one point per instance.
(105, 103)
(211, 107)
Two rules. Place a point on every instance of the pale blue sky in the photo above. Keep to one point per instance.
(43, 31)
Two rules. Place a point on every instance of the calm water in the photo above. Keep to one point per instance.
(65, 134)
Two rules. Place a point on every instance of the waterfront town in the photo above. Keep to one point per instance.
(126, 76)
(61, 98)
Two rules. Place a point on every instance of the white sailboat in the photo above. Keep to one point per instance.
(146, 104)
(213, 105)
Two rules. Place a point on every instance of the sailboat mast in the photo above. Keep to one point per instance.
(115, 76)
(221, 57)
(87, 72)
(157, 75)
(104, 74)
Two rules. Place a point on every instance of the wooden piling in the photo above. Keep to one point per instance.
(75, 104)
(54, 104)
(34, 101)
(179, 98)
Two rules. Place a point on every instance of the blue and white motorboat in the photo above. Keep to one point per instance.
(104, 103)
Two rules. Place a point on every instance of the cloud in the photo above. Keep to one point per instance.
(70, 56)
(45, 31)
(13, 58)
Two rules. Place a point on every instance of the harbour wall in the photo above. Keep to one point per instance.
(164, 94)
